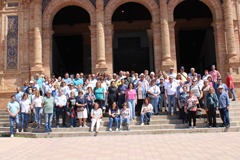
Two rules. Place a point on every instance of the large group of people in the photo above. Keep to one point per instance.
(120, 96)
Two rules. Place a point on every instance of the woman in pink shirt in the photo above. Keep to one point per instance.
(131, 99)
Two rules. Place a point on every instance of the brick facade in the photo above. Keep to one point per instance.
(34, 36)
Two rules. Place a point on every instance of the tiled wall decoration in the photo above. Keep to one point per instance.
(12, 42)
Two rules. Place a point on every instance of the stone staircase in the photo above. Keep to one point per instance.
(160, 124)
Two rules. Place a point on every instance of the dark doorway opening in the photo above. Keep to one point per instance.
(67, 48)
(130, 44)
(194, 43)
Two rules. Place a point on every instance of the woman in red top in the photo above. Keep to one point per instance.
(230, 85)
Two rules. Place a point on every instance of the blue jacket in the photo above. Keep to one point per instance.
(211, 99)
(143, 91)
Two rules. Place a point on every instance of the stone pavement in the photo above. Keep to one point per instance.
(167, 146)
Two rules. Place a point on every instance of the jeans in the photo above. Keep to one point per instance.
(163, 101)
(25, 117)
(180, 113)
(232, 90)
(54, 111)
(105, 102)
(212, 116)
(38, 113)
(154, 103)
(225, 116)
(124, 120)
(16, 118)
(48, 121)
(171, 98)
(94, 122)
(131, 105)
(73, 119)
(32, 116)
(63, 112)
(89, 109)
(149, 114)
(116, 119)
(121, 100)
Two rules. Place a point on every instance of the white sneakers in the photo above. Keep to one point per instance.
(110, 129)
(142, 124)
(17, 130)
(117, 130)
(12, 136)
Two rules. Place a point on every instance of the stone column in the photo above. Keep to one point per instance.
(166, 58)
(150, 41)
(93, 48)
(101, 60)
(109, 49)
(37, 64)
(227, 7)
(157, 46)
(173, 45)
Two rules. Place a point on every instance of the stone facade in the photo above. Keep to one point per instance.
(26, 36)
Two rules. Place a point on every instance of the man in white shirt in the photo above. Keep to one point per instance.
(47, 86)
(61, 102)
(170, 92)
(93, 81)
(172, 74)
(200, 81)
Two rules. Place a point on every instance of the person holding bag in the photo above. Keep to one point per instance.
(25, 110)
(154, 92)
(211, 103)
(81, 109)
(89, 97)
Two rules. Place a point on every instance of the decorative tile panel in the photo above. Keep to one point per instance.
(44, 4)
(12, 42)
(93, 2)
(12, 4)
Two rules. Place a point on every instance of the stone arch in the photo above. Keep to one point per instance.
(214, 5)
(151, 5)
(54, 6)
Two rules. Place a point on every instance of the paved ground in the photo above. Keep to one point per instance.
(167, 146)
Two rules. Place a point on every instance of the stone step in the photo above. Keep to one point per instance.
(133, 127)
(132, 132)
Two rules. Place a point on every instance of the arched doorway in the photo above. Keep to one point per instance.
(131, 48)
(71, 41)
(195, 45)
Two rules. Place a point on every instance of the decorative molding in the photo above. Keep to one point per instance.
(12, 42)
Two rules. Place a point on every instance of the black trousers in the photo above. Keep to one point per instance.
(139, 105)
(212, 116)
(192, 115)
(184, 115)
(100, 102)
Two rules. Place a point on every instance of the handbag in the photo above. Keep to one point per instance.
(151, 96)
(80, 109)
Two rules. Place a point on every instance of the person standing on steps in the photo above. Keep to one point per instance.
(61, 102)
(170, 92)
(230, 85)
(13, 110)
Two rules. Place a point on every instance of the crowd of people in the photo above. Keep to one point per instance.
(120, 96)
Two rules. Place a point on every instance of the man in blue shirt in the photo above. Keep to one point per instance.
(39, 82)
(121, 93)
(219, 83)
(67, 79)
(13, 109)
(30, 86)
(224, 104)
(18, 95)
(77, 80)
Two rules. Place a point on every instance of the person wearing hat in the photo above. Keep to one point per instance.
(121, 93)
(128, 79)
(192, 71)
(154, 93)
(205, 76)
(219, 83)
(161, 86)
(224, 104)
(170, 92)
(31, 85)
(230, 85)
(183, 74)
(214, 73)
(171, 73)
(211, 103)
(144, 82)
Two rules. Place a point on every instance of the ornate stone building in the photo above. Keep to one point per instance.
(39, 36)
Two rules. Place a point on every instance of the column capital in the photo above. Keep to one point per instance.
(109, 27)
(153, 25)
(92, 28)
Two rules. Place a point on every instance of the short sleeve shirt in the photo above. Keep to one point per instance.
(214, 75)
(13, 107)
(131, 94)
(24, 105)
(96, 113)
(48, 104)
(171, 88)
(122, 88)
(72, 102)
(99, 93)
